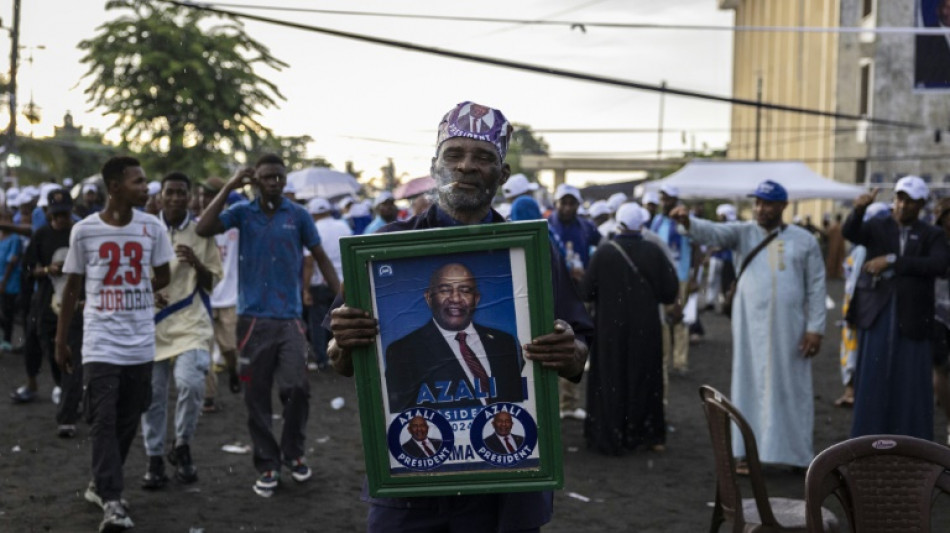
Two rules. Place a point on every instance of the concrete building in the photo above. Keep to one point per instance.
(864, 73)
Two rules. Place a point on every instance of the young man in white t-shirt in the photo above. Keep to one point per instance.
(114, 250)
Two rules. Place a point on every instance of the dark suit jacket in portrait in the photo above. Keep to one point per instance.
(493, 443)
(424, 358)
(413, 450)
(932, 61)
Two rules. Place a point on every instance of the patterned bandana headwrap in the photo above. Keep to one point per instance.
(478, 122)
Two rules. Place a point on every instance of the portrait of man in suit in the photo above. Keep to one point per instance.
(420, 445)
(932, 61)
(503, 441)
(450, 361)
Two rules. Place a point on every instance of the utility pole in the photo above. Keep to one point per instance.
(758, 117)
(659, 140)
(14, 57)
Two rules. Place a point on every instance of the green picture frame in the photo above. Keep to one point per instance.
(389, 275)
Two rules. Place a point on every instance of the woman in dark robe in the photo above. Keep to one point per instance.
(625, 383)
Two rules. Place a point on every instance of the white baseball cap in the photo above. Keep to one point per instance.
(12, 197)
(382, 198)
(290, 188)
(45, 189)
(346, 201)
(616, 200)
(876, 209)
(89, 187)
(565, 190)
(67, 182)
(914, 186)
(599, 208)
(154, 187)
(651, 197)
(28, 194)
(632, 216)
(359, 209)
(726, 210)
(670, 190)
(517, 185)
(318, 206)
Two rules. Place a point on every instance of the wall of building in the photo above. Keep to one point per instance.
(895, 152)
(795, 69)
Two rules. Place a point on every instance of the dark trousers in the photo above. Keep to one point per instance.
(273, 350)
(40, 334)
(70, 403)
(116, 397)
(319, 337)
(7, 314)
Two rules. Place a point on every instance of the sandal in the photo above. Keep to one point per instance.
(845, 401)
(209, 406)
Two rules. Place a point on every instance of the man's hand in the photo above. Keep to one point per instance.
(674, 313)
(559, 351)
(305, 297)
(811, 343)
(243, 176)
(54, 269)
(187, 255)
(351, 328)
(866, 199)
(681, 215)
(877, 265)
(64, 356)
(160, 301)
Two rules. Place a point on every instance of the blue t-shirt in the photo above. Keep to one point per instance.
(581, 233)
(270, 257)
(11, 248)
(680, 245)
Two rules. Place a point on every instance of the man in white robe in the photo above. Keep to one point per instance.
(778, 318)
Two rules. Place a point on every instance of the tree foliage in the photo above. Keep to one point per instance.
(180, 82)
(524, 141)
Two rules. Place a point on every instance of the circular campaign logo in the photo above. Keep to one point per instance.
(420, 438)
(504, 434)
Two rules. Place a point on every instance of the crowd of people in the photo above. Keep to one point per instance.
(126, 286)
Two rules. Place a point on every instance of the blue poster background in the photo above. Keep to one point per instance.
(400, 284)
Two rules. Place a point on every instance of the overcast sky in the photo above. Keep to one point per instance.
(364, 102)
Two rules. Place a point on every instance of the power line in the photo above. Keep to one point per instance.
(582, 25)
(538, 69)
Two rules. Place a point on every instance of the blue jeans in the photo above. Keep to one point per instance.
(190, 369)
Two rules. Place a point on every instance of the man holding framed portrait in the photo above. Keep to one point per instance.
(469, 168)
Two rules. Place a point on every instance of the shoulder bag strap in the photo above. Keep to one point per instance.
(626, 257)
(748, 259)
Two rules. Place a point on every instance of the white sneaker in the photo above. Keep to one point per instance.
(57, 395)
(114, 517)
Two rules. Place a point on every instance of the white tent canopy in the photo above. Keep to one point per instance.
(732, 179)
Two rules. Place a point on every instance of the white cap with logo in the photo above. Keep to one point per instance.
(518, 185)
(567, 190)
(318, 206)
(913, 186)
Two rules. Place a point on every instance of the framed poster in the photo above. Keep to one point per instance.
(448, 404)
(932, 50)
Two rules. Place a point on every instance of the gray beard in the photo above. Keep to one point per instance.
(453, 199)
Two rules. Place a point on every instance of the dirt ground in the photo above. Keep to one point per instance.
(42, 476)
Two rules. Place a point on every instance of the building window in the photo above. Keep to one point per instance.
(864, 90)
(867, 7)
(860, 171)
